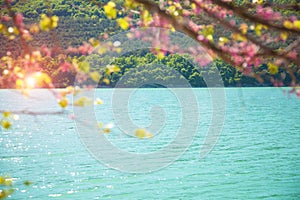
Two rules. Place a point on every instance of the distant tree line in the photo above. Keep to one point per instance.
(140, 66)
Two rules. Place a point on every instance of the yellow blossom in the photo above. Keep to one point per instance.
(106, 81)
(82, 101)
(112, 68)
(84, 66)
(110, 10)
(273, 69)
(287, 24)
(98, 101)
(6, 114)
(142, 133)
(296, 24)
(106, 130)
(48, 23)
(123, 23)
(63, 102)
(284, 35)
(2, 180)
(95, 76)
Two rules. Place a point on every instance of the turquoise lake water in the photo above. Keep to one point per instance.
(257, 154)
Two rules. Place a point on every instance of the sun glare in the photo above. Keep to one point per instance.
(30, 82)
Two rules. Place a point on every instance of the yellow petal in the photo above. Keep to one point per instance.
(106, 130)
(123, 23)
(95, 76)
(84, 66)
(106, 81)
(8, 182)
(19, 83)
(110, 10)
(140, 133)
(160, 55)
(296, 24)
(82, 101)
(112, 68)
(6, 114)
(273, 69)
(244, 28)
(54, 18)
(2, 180)
(98, 101)
(287, 24)
(6, 124)
(63, 102)
(284, 35)
(149, 135)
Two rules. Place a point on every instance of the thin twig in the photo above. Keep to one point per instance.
(180, 26)
(35, 113)
(241, 12)
(267, 50)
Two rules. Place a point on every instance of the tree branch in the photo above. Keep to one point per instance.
(241, 12)
(268, 51)
(181, 26)
(35, 113)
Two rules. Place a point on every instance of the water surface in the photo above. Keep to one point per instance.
(257, 155)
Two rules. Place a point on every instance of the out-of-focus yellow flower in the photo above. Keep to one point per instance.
(160, 55)
(110, 10)
(244, 28)
(63, 102)
(130, 4)
(258, 1)
(6, 114)
(106, 130)
(66, 91)
(123, 23)
(288, 24)
(82, 101)
(296, 24)
(48, 23)
(106, 81)
(84, 66)
(95, 76)
(6, 124)
(146, 17)
(142, 133)
(2, 180)
(258, 28)
(98, 101)
(8, 182)
(238, 37)
(112, 68)
(34, 29)
(102, 50)
(273, 69)
(19, 84)
(284, 35)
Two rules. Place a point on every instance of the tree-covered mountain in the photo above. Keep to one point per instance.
(81, 20)
(137, 68)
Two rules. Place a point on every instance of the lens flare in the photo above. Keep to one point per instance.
(30, 82)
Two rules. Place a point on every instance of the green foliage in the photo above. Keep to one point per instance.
(139, 67)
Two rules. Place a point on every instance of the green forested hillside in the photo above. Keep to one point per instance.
(81, 20)
(143, 66)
